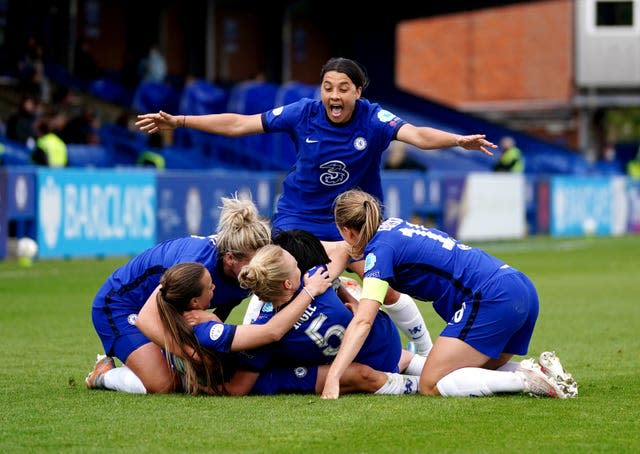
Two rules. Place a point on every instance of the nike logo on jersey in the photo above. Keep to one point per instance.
(308, 140)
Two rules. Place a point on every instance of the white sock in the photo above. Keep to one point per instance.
(511, 366)
(407, 317)
(476, 382)
(398, 384)
(253, 310)
(124, 380)
(415, 365)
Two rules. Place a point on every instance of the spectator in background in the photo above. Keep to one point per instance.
(399, 159)
(82, 128)
(21, 124)
(511, 159)
(50, 148)
(633, 167)
(151, 156)
(153, 67)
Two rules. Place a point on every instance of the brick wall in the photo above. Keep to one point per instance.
(521, 52)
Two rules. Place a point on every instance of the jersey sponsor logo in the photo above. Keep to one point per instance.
(216, 331)
(310, 140)
(131, 319)
(385, 116)
(277, 111)
(335, 173)
(300, 372)
(369, 261)
(360, 143)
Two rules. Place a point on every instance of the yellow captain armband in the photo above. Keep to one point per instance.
(374, 289)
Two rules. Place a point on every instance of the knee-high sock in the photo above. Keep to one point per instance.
(476, 382)
(124, 380)
(409, 320)
(398, 384)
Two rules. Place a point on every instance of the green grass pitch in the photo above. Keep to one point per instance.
(590, 315)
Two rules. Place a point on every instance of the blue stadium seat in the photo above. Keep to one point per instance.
(284, 152)
(13, 153)
(123, 145)
(109, 90)
(293, 91)
(155, 96)
(252, 152)
(81, 155)
(200, 97)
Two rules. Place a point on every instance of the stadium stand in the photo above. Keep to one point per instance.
(275, 151)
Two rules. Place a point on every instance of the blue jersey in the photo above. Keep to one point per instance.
(121, 297)
(317, 335)
(330, 159)
(430, 265)
(215, 336)
(132, 283)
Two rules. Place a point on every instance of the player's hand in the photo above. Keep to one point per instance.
(318, 283)
(154, 122)
(331, 389)
(197, 316)
(476, 142)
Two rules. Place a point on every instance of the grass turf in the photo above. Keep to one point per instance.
(589, 315)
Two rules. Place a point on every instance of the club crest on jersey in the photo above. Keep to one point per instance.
(131, 319)
(267, 308)
(360, 143)
(277, 111)
(216, 331)
(300, 372)
(369, 261)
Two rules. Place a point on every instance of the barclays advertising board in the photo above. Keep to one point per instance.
(189, 203)
(95, 212)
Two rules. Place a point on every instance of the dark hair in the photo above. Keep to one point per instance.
(354, 71)
(304, 246)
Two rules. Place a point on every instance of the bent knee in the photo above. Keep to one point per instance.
(428, 388)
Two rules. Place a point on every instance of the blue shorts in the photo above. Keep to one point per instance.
(116, 326)
(383, 347)
(500, 318)
(325, 231)
(298, 380)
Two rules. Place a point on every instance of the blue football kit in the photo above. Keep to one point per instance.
(330, 159)
(316, 337)
(117, 303)
(485, 302)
